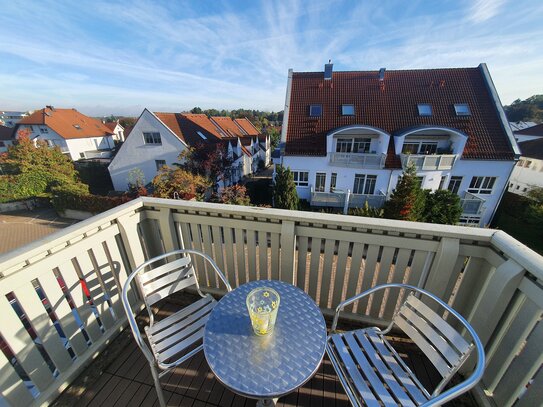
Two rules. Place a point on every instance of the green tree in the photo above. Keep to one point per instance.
(176, 182)
(33, 170)
(367, 211)
(530, 109)
(210, 161)
(442, 206)
(234, 195)
(536, 194)
(284, 191)
(407, 200)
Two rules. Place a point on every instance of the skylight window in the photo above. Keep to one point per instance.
(77, 126)
(424, 109)
(347, 110)
(462, 109)
(315, 110)
(201, 135)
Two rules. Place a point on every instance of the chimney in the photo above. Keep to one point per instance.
(382, 74)
(328, 70)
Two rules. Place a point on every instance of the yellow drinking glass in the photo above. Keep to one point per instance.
(262, 304)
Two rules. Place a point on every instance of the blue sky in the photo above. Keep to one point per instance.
(105, 57)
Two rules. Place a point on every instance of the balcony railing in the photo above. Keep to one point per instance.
(60, 300)
(429, 162)
(358, 160)
(337, 198)
(471, 204)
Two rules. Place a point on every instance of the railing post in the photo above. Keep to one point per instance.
(167, 230)
(288, 242)
(128, 226)
(442, 267)
(346, 203)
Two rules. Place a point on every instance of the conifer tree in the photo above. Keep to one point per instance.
(407, 200)
(284, 191)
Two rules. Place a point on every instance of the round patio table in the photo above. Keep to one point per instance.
(271, 366)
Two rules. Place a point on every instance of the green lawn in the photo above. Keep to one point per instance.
(530, 235)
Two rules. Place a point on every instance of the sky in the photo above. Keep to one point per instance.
(119, 57)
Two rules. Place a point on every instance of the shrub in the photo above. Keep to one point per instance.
(234, 195)
(284, 192)
(367, 211)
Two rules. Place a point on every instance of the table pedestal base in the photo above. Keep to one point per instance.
(266, 402)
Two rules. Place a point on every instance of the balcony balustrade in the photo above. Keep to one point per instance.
(431, 162)
(337, 199)
(358, 160)
(60, 301)
(471, 204)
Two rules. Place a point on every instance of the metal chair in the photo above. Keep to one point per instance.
(373, 373)
(174, 339)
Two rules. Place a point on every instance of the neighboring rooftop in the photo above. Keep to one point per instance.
(247, 126)
(112, 125)
(391, 104)
(532, 148)
(68, 123)
(516, 126)
(536, 130)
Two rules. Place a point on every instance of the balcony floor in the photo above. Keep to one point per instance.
(120, 376)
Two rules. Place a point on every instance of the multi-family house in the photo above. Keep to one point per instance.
(158, 139)
(528, 173)
(76, 135)
(347, 136)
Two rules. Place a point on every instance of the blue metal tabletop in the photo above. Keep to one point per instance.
(265, 366)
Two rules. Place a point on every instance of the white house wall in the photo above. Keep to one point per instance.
(134, 153)
(523, 179)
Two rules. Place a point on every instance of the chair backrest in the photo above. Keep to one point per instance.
(441, 343)
(159, 282)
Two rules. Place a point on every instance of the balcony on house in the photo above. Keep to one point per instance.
(336, 199)
(358, 160)
(60, 301)
(471, 204)
(431, 162)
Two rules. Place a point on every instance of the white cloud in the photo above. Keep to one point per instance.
(483, 10)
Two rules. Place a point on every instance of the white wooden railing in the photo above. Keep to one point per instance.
(490, 278)
(428, 162)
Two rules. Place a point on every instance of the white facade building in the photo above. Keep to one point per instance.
(117, 130)
(528, 173)
(349, 139)
(76, 135)
(11, 118)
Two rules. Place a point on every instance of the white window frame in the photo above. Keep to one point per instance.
(347, 145)
(301, 178)
(454, 183)
(322, 187)
(364, 184)
(470, 220)
(152, 137)
(482, 185)
(333, 181)
(419, 147)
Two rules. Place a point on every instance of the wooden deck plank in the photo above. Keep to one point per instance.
(93, 390)
(120, 389)
(140, 395)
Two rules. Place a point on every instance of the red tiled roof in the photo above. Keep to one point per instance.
(63, 122)
(6, 133)
(111, 125)
(247, 126)
(393, 108)
(536, 130)
(187, 126)
(228, 126)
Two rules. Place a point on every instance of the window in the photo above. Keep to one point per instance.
(524, 189)
(481, 185)
(364, 184)
(301, 178)
(520, 163)
(77, 126)
(315, 110)
(201, 135)
(462, 109)
(333, 179)
(420, 147)
(320, 181)
(527, 164)
(347, 110)
(454, 184)
(2, 144)
(470, 220)
(353, 145)
(424, 109)
(50, 143)
(442, 181)
(159, 164)
(152, 138)
(82, 155)
(44, 130)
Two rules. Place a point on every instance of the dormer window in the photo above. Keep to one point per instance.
(347, 110)
(424, 109)
(315, 110)
(462, 109)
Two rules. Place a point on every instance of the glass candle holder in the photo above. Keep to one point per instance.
(262, 304)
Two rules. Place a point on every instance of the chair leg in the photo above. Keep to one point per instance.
(158, 388)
